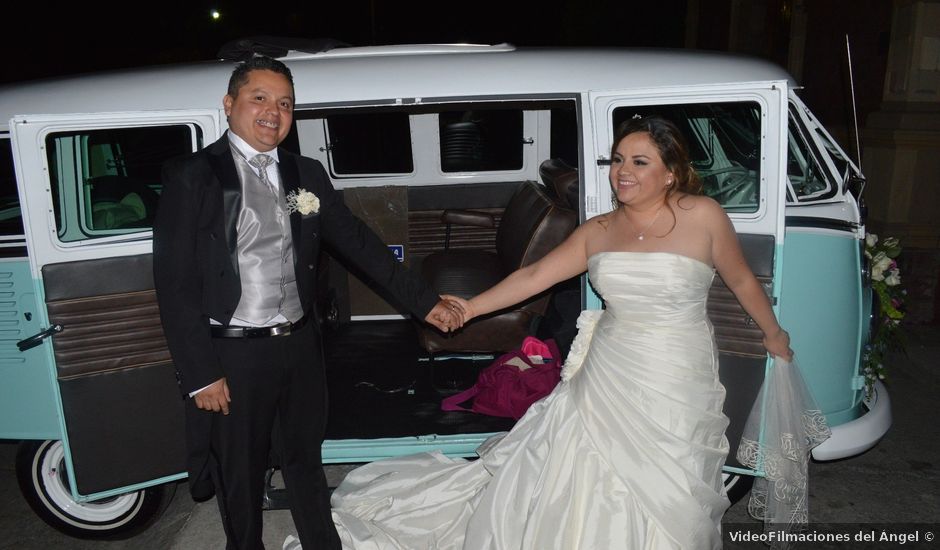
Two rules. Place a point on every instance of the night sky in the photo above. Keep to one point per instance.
(90, 36)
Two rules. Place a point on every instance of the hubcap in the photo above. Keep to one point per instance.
(51, 481)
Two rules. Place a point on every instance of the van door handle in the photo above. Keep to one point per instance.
(37, 339)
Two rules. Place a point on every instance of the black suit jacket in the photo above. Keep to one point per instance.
(196, 260)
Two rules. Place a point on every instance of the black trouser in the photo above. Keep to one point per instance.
(276, 377)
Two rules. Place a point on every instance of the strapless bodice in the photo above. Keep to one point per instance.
(658, 288)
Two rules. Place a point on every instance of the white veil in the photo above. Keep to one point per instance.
(783, 427)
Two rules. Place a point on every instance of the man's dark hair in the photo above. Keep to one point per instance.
(256, 63)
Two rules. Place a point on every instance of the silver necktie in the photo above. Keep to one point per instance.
(261, 162)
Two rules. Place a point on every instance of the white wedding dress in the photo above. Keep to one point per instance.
(625, 454)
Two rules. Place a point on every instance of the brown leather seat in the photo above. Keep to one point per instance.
(562, 179)
(532, 224)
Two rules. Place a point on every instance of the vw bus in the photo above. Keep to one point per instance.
(413, 136)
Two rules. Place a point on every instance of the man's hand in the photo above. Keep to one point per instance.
(463, 306)
(446, 315)
(214, 397)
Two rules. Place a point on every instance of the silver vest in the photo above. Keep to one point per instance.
(265, 251)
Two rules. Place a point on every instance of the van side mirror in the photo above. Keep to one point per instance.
(855, 184)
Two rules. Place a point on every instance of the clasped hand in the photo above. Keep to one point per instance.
(450, 313)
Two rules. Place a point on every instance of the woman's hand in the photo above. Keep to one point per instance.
(778, 344)
(461, 306)
(446, 315)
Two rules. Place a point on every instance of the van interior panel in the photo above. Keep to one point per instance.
(124, 426)
(742, 377)
(118, 387)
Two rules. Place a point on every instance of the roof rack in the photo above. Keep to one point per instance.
(401, 49)
(275, 46)
(303, 48)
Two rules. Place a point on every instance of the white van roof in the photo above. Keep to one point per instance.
(388, 73)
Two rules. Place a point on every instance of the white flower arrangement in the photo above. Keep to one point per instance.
(579, 347)
(303, 201)
(886, 284)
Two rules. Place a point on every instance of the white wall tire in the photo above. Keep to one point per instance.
(40, 470)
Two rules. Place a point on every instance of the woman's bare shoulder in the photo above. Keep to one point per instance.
(596, 233)
(598, 223)
(700, 207)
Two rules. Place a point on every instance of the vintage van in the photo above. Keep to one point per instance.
(407, 132)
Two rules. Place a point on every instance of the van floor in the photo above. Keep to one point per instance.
(379, 386)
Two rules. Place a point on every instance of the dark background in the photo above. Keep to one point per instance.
(90, 36)
(43, 41)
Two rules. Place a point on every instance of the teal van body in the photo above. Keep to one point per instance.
(29, 407)
(828, 343)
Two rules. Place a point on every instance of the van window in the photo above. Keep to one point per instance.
(369, 143)
(804, 171)
(11, 220)
(841, 164)
(107, 182)
(481, 140)
(724, 144)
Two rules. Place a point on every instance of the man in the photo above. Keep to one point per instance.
(236, 241)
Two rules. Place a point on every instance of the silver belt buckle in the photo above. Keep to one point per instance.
(282, 330)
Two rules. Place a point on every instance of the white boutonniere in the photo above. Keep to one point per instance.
(302, 201)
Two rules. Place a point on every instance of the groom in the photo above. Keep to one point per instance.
(235, 250)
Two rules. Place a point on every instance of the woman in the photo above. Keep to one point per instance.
(627, 451)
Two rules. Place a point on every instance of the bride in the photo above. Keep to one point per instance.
(627, 452)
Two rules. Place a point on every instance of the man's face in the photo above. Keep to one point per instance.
(262, 112)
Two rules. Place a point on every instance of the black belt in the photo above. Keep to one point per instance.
(282, 329)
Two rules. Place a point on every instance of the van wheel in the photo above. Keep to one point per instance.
(737, 486)
(40, 470)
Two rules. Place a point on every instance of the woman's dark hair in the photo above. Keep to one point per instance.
(672, 149)
(256, 63)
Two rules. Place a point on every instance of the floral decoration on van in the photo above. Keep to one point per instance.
(302, 201)
(886, 282)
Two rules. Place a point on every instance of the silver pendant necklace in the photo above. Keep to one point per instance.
(639, 235)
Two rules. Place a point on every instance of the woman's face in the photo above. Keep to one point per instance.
(637, 173)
